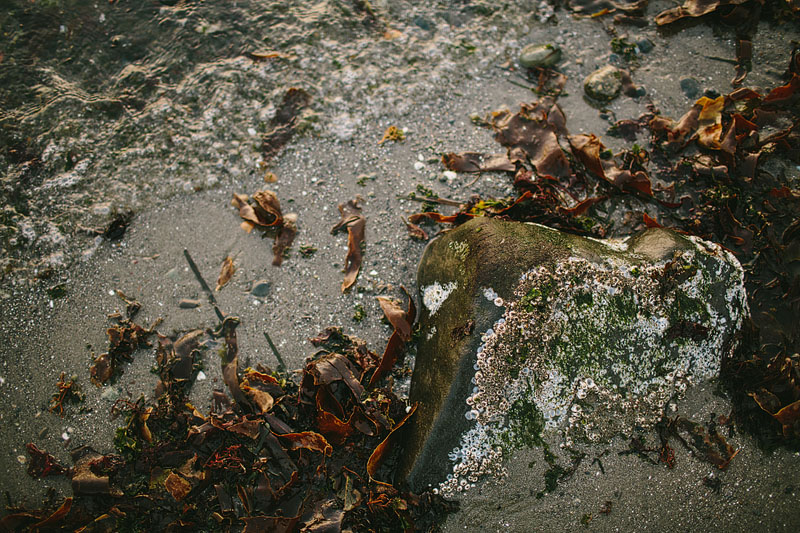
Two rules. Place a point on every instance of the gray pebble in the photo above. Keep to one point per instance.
(690, 87)
(645, 45)
(260, 288)
(539, 56)
(187, 303)
(603, 84)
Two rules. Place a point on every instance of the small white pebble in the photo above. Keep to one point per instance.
(201, 376)
(419, 165)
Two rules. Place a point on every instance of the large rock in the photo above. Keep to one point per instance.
(527, 330)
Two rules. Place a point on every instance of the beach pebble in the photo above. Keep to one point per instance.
(260, 288)
(690, 87)
(187, 303)
(539, 56)
(603, 84)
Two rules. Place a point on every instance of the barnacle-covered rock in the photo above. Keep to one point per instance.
(526, 330)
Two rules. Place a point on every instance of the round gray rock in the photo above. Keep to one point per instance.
(540, 56)
(603, 84)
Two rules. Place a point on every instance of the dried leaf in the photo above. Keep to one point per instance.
(693, 9)
(261, 400)
(404, 319)
(42, 464)
(784, 93)
(383, 449)
(354, 221)
(582, 206)
(710, 445)
(587, 148)
(308, 440)
(285, 238)
(530, 136)
(225, 272)
(414, 231)
(475, 162)
(392, 133)
(789, 417)
(54, 519)
(177, 486)
(396, 316)
(334, 367)
(709, 122)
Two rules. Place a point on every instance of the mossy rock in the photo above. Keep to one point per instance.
(516, 317)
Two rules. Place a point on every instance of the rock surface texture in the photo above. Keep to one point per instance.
(526, 330)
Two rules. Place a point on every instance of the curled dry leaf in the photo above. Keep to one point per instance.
(414, 231)
(226, 272)
(308, 440)
(177, 486)
(693, 9)
(354, 221)
(402, 322)
(285, 238)
(383, 449)
(284, 123)
(476, 162)
(587, 148)
(42, 464)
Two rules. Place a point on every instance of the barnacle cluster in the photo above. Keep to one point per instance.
(434, 295)
(594, 349)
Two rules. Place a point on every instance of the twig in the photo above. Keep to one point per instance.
(203, 284)
(436, 200)
(281, 365)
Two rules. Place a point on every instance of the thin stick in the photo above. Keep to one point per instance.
(423, 199)
(281, 365)
(203, 284)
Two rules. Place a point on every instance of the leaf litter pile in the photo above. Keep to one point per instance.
(274, 454)
(316, 452)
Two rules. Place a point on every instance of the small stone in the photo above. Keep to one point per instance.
(22, 459)
(690, 87)
(424, 23)
(110, 394)
(201, 376)
(645, 45)
(260, 288)
(419, 165)
(187, 303)
(540, 56)
(603, 84)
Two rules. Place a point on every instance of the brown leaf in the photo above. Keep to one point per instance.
(383, 449)
(54, 519)
(414, 231)
(784, 93)
(437, 217)
(262, 400)
(285, 238)
(264, 211)
(396, 316)
(177, 486)
(529, 135)
(247, 427)
(225, 272)
(693, 9)
(650, 222)
(587, 148)
(230, 362)
(394, 347)
(354, 221)
(42, 464)
(582, 206)
(709, 122)
(308, 440)
(475, 162)
(766, 400)
(789, 417)
(334, 367)
(710, 445)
